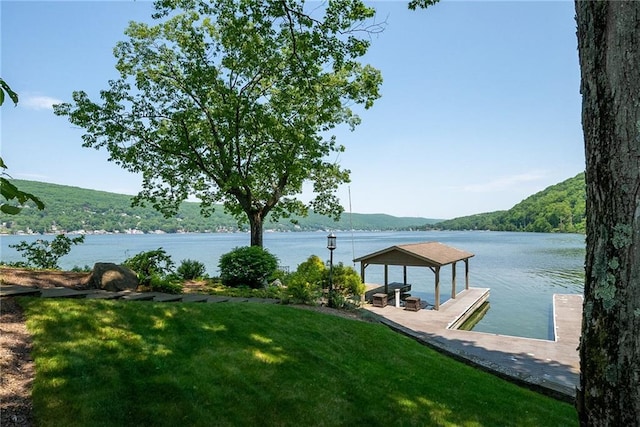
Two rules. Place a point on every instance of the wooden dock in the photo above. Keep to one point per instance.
(548, 366)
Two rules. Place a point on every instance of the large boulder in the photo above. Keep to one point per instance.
(112, 277)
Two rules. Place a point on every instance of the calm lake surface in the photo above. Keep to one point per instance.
(523, 270)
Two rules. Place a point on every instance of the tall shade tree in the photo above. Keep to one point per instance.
(609, 48)
(234, 101)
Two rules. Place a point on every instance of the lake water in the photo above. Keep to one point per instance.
(523, 270)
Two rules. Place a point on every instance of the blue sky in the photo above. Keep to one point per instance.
(480, 103)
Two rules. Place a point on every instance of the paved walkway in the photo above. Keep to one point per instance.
(551, 367)
(61, 292)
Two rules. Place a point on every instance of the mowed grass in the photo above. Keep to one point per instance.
(111, 363)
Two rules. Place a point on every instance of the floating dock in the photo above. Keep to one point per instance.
(548, 366)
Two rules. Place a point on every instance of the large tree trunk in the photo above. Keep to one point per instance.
(256, 226)
(608, 43)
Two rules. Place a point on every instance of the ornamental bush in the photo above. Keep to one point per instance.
(190, 269)
(299, 291)
(313, 270)
(166, 284)
(150, 263)
(250, 266)
(304, 286)
(347, 284)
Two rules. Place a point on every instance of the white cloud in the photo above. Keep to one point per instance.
(38, 102)
(504, 183)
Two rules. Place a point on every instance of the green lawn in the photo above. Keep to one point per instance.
(114, 363)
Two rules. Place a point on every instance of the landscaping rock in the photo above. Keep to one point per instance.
(112, 277)
(277, 283)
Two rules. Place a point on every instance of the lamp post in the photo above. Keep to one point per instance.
(331, 245)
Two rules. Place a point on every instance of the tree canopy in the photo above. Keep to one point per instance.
(233, 102)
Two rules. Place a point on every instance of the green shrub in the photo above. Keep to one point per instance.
(312, 270)
(347, 285)
(217, 288)
(45, 254)
(150, 263)
(190, 269)
(306, 283)
(304, 286)
(164, 284)
(280, 274)
(338, 300)
(250, 266)
(299, 291)
(78, 269)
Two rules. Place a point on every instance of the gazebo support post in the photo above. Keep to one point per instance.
(437, 301)
(453, 281)
(466, 273)
(405, 274)
(386, 279)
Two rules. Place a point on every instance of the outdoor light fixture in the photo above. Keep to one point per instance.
(331, 242)
(331, 245)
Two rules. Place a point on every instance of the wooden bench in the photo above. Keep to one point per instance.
(380, 300)
(412, 304)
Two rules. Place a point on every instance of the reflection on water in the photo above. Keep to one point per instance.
(476, 317)
(568, 280)
(523, 270)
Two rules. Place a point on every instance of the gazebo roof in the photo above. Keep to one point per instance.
(428, 254)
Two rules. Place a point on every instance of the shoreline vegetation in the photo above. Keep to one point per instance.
(74, 210)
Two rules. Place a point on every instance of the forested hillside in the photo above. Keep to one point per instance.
(70, 209)
(558, 208)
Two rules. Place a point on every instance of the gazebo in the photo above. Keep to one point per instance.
(433, 255)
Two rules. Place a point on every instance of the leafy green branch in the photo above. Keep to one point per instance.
(7, 189)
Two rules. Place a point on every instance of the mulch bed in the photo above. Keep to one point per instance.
(16, 366)
(43, 278)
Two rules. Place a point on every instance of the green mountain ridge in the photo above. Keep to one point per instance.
(73, 209)
(558, 208)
